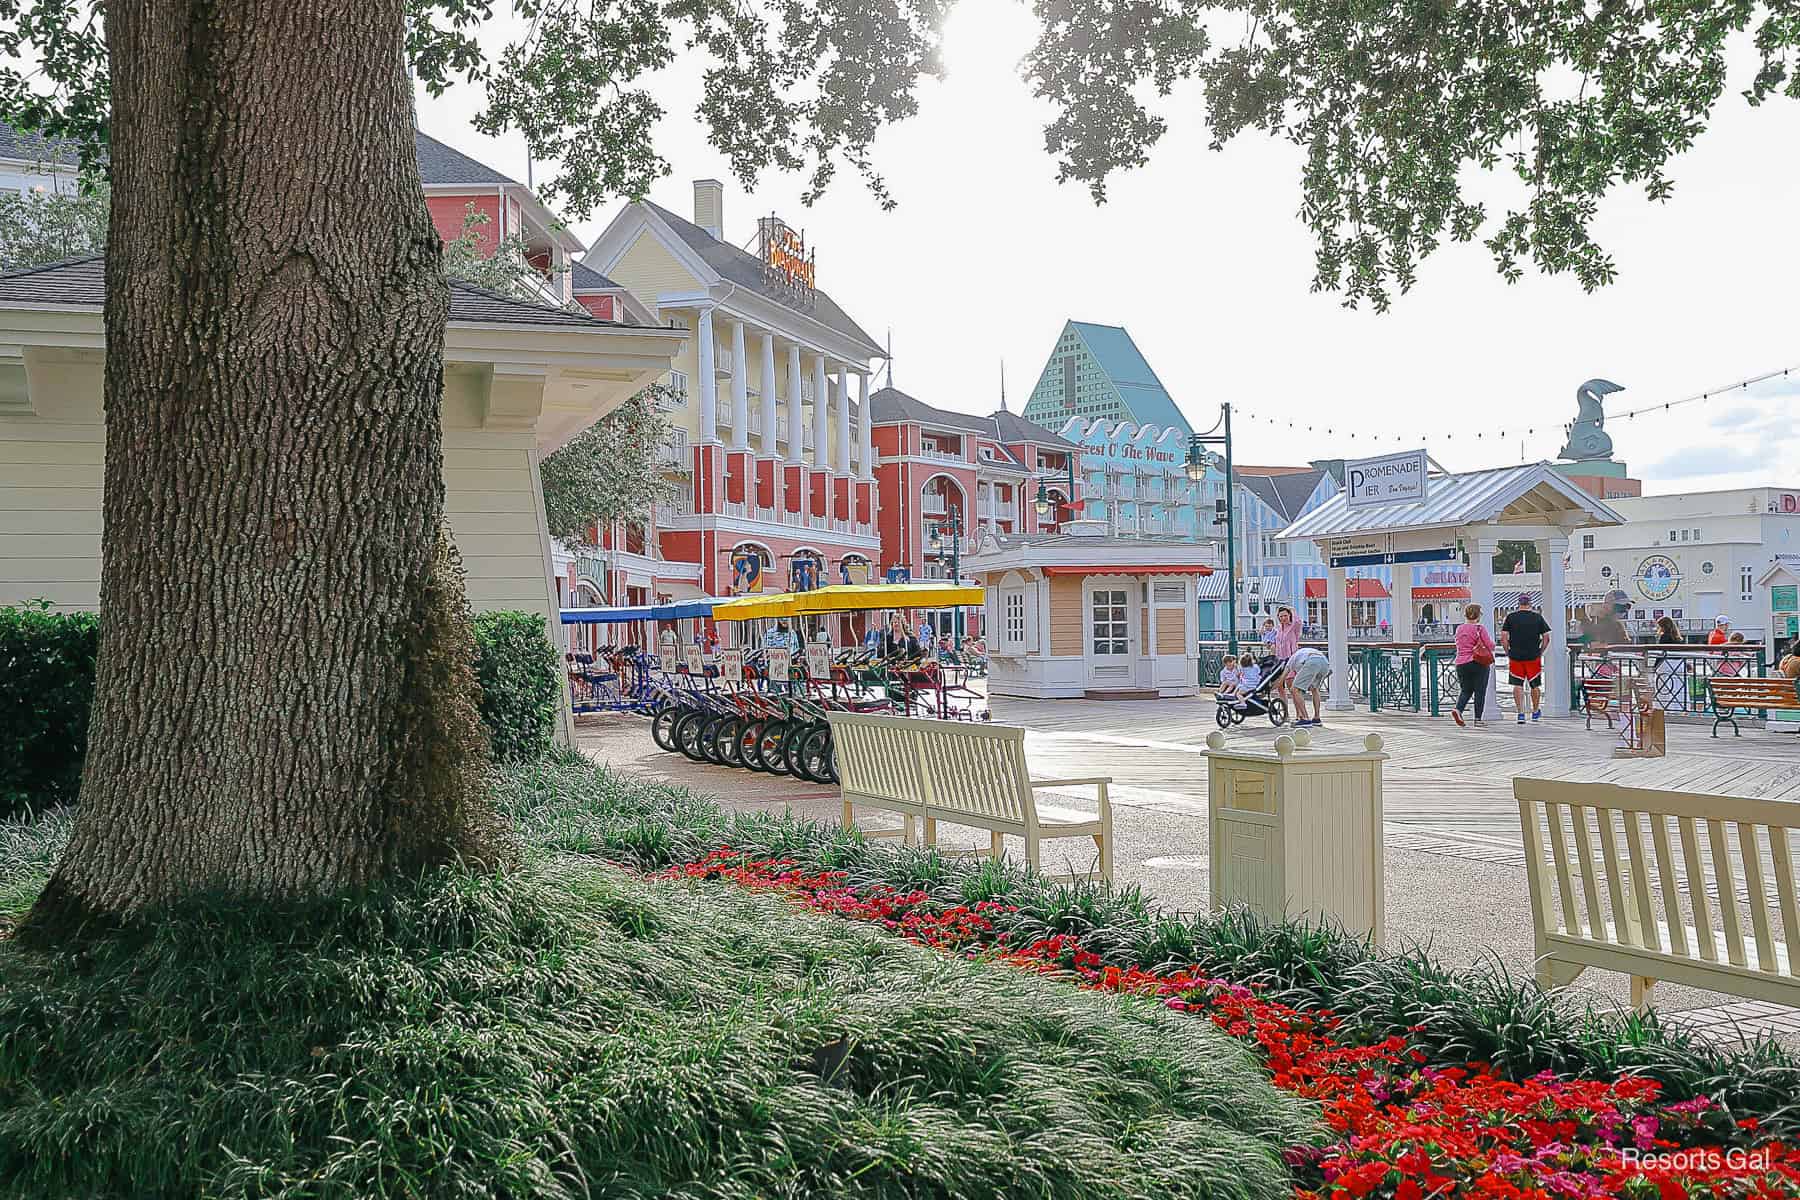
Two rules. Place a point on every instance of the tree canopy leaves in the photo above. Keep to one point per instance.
(1412, 117)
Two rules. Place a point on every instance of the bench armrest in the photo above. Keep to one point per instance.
(1097, 780)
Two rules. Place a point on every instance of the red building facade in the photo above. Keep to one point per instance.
(938, 470)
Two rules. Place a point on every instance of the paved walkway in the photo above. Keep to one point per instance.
(1454, 859)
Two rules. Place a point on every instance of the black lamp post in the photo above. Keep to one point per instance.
(952, 527)
(1199, 458)
(1043, 503)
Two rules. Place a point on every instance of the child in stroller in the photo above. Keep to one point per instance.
(1256, 696)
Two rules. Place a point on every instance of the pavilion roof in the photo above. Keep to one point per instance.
(1527, 494)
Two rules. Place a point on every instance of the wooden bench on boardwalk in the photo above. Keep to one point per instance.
(973, 775)
(1734, 696)
(1624, 885)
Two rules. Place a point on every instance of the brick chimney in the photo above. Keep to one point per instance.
(709, 207)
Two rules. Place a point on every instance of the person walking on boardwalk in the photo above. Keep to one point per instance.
(1287, 640)
(1474, 659)
(1522, 636)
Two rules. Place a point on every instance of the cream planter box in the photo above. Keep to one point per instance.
(1294, 832)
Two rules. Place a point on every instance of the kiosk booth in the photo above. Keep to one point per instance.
(1397, 511)
(1083, 614)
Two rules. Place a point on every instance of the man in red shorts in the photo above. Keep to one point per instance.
(1522, 636)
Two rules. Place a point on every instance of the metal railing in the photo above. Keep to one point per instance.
(1674, 676)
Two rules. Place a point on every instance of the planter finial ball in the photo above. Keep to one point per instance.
(1284, 745)
(1215, 740)
(1302, 738)
(1372, 743)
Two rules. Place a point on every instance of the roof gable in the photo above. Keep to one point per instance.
(1529, 493)
(1132, 378)
(744, 269)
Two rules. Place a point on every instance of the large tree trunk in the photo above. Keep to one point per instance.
(282, 705)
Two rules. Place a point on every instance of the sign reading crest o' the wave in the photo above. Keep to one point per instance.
(1390, 479)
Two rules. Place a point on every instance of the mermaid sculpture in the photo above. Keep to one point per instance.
(1586, 439)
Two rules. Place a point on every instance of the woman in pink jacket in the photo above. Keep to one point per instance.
(1474, 659)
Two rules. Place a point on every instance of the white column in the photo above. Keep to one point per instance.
(1337, 619)
(767, 380)
(841, 414)
(740, 389)
(821, 456)
(709, 397)
(1405, 627)
(796, 428)
(1556, 614)
(1481, 591)
(865, 427)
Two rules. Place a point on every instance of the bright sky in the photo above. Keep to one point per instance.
(1201, 256)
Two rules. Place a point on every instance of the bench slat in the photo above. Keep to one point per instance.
(1726, 882)
(1624, 919)
(1696, 881)
(1565, 887)
(1784, 890)
(1590, 874)
(1671, 883)
(1759, 896)
(1640, 879)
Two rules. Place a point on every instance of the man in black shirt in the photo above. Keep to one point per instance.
(1522, 636)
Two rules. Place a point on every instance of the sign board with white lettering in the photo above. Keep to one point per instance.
(818, 660)
(1390, 479)
(731, 666)
(781, 664)
(696, 664)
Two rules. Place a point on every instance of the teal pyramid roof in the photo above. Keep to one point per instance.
(1141, 397)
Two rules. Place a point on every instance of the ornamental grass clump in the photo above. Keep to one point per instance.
(1454, 1015)
(567, 1029)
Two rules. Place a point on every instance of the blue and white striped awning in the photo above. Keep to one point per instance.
(1211, 587)
(1509, 597)
(618, 614)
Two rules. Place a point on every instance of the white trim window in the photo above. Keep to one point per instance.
(1109, 630)
(1747, 582)
(1012, 618)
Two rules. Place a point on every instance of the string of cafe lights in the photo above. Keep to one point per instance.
(1502, 435)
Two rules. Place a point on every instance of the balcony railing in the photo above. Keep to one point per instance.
(932, 452)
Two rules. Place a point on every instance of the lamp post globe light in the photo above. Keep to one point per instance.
(1199, 460)
(1043, 503)
(951, 527)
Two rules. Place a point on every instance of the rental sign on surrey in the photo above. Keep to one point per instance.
(1390, 479)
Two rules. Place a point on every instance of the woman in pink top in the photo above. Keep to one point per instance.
(1287, 640)
(1474, 659)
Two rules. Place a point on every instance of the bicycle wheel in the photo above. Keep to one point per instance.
(687, 734)
(708, 740)
(769, 751)
(730, 741)
(750, 744)
(662, 726)
(816, 755)
(792, 748)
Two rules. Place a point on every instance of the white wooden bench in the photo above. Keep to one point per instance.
(963, 774)
(1624, 885)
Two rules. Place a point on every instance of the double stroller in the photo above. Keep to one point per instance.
(1258, 701)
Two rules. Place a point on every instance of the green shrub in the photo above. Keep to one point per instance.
(521, 683)
(46, 690)
(568, 1030)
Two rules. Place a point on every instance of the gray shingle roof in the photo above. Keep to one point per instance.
(1014, 428)
(746, 270)
(891, 406)
(439, 163)
(35, 148)
(81, 282)
(584, 278)
(1287, 493)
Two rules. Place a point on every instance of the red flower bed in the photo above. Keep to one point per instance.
(1404, 1129)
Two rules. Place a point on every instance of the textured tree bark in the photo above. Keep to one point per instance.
(282, 630)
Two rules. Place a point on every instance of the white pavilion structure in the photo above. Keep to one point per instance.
(1469, 513)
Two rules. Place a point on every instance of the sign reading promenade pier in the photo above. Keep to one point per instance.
(1390, 479)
